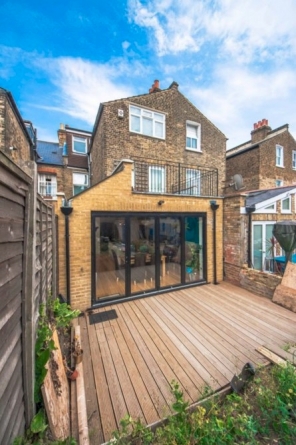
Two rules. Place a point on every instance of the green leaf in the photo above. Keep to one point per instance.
(38, 424)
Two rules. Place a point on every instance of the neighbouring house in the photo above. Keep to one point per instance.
(17, 137)
(152, 219)
(63, 166)
(249, 218)
(268, 160)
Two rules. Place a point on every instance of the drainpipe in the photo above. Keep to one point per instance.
(214, 207)
(66, 210)
(249, 211)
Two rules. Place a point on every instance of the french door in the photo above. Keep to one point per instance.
(145, 253)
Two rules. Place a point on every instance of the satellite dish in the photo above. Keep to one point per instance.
(237, 182)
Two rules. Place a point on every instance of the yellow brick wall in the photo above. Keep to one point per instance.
(115, 194)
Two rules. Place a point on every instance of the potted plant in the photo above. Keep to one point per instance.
(193, 261)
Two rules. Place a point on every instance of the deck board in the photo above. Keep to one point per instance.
(199, 336)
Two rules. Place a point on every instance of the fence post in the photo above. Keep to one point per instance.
(29, 315)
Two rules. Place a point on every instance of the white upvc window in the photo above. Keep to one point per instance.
(156, 179)
(271, 208)
(80, 182)
(147, 122)
(79, 145)
(263, 249)
(279, 154)
(47, 185)
(286, 205)
(192, 182)
(279, 182)
(192, 136)
(294, 159)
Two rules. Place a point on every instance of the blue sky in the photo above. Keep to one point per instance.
(234, 59)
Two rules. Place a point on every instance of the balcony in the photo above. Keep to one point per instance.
(154, 176)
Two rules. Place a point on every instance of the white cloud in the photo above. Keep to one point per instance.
(82, 85)
(237, 98)
(242, 29)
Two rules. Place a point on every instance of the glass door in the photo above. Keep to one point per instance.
(110, 262)
(262, 246)
(193, 248)
(138, 253)
(142, 255)
(170, 250)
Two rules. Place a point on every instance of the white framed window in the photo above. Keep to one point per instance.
(294, 159)
(156, 179)
(263, 249)
(271, 208)
(192, 136)
(147, 122)
(47, 185)
(279, 156)
(80, 182)
(279, 182)
(286, 205)
(79, 145)
(192, 182)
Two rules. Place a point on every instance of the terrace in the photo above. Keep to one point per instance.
(199, 337)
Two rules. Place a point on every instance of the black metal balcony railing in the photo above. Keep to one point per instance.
(154, 176)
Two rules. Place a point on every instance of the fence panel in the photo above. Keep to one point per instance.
(27, 276)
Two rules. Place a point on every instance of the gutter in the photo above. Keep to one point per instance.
(214, 208)
(66, 210)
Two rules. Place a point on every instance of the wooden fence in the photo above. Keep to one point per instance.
(27, 276)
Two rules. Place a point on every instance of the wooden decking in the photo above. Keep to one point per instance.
(198, 337)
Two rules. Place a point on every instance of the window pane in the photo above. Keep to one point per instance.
(147, 113)
(159, 117)
(257, 247)
(135, 110)
(286, 204)
(193, 248)
(78, 189)
(147, 127)
(159, 129)
(79, 145)
(191, 131)
(156, 179)
(135, 124)
(80, 179)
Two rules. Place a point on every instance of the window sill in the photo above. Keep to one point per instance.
(147, 136)
(193, 150)
(280, 166)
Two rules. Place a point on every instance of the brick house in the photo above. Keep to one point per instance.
(17, 138)
(162, 125)
(152, 219)
(249, 218)
(268, 160)
(63, 166)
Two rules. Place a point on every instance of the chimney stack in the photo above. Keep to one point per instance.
(62, 135)
(155, 87)
(260, 131)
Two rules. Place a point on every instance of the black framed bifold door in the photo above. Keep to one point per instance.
(139, 253)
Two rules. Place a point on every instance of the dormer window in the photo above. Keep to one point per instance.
(79, 145)
(192, 136)
(147, 122)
